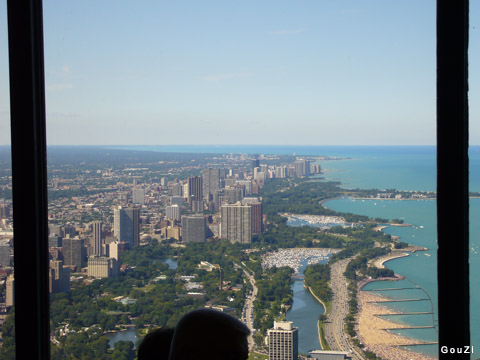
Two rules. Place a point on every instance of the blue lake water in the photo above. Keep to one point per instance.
(171, 262)
(128, 335)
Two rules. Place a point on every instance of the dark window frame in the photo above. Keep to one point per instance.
(29, 171)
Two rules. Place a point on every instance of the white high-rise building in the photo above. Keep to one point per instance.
(173, 212)
(280, 172)
(283, 341)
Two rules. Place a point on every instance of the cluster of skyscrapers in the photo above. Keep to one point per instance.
(218, 203)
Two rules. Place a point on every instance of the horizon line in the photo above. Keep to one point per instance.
(231, 145)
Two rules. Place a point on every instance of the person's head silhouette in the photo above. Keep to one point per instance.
(156, 345)
(209, 334)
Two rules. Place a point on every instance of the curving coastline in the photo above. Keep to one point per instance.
(371, 326)
(380, 262)
(372, 333)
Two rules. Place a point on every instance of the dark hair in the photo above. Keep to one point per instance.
(209, 334)
(156, 345)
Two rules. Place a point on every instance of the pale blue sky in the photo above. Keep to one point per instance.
(320, 72)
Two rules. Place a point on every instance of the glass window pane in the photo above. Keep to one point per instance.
(182, 110)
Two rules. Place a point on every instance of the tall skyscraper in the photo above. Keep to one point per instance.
(211, 182)
(97, 237)
(173, 212)
(58, 277)
(302, 167)
(236, 223)
(283, 341)
(126, 225)
(138, 196)
(280, 172)
(195, 188)
(193, 229)
(74, 252)
(299, 167)
(306, 167)
(257, 214)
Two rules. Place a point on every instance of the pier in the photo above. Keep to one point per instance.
(406, 313)
(410, 327)
(388, 289)
(399, 300)
(420, 343)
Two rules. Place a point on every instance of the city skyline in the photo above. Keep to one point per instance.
(211, 73)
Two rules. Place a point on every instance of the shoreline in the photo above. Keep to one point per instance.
(372, 327)
(380, 262)
(372, 333)
(318, 321)
(389, 199)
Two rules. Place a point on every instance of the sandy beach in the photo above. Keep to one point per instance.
(379, 262)
(377, 340)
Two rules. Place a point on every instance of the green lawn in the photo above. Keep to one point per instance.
(256, 356)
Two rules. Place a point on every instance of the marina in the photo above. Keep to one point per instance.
(295, 257)
(322, 221)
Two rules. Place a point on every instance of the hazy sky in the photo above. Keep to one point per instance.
(318, 72)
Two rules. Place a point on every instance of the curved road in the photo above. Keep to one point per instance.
(335, 325)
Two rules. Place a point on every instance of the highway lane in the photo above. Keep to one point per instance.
(335, 325)
(247, 313)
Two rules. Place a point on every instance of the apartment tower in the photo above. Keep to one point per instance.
(126, 225)
(211, 182)
(193, 229)
(195, 188)
(97, 237)
(283, 341)
(236, 223)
